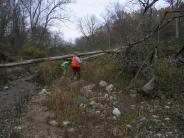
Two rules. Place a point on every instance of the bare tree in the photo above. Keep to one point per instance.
(119, 16)
(147, 4)
(108, 24)
(41, 13)
(5, 16)
(88, 27)
(11, 21)
(175, 5)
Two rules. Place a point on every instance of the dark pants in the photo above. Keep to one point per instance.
(76, 72)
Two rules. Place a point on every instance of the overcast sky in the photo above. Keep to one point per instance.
(81, 8)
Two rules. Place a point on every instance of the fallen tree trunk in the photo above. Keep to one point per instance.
(38, 60)
(94, 56)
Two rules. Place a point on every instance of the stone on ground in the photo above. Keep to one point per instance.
(103, 84)
(116, 112)
(148, 87)
(77, 84)
(53, 123)
(88, 90)
(109, 88)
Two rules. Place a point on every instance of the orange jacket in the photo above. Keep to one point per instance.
(74, 62)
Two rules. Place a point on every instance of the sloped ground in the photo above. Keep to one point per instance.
(85, 110)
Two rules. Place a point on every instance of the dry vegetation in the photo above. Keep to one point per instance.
(141, 116)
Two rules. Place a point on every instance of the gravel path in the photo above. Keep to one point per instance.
(13, 97)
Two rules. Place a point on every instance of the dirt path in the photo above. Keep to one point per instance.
(13, 97)
(35, 122)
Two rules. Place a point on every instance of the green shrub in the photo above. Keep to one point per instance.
(30, 50)
(5, 46)
(48, 71)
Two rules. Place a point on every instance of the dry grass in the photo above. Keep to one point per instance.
(61, 101)
(101, 69)
(48, 71)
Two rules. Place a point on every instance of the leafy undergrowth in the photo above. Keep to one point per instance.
(89, 111)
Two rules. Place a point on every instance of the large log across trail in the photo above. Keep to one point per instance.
(38, 60)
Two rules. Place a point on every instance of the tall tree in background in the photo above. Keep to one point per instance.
(5, 16)
(88, 27)
(176, 5)
(119, 16)
(108, 25)
(41, 13)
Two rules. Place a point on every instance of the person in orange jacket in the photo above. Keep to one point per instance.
(75, 64)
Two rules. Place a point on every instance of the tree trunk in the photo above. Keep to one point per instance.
(39, 60)
(177, 28)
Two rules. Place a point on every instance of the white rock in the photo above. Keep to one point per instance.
(92, 103)
(155, 116)
(155, 120)
(167, 119)
(102, 84)
(53, 123)
(129, 126)
(88, 88)
(65, 123)
(83, 105)
(116, 112)
(43, 92)
(167, 107)
(6, 88)
(149, 86)
(18, 127)
(48, 93)
(106, 96)
(143, 119)
(109, 88)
